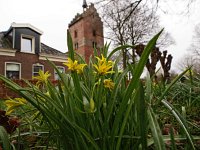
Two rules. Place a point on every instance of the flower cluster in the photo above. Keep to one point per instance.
(108, 83)
(42, 77)
(14, 103)
(74, 66)
(103, 66)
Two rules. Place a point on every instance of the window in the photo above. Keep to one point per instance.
(61, 69)
(13, 70)
(76, 45)
(36, 69)
(27, 44)
(94, 44)
(75, 34)
(94, 32)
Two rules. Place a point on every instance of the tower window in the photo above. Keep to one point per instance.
(94, 44)
(94, 32)
(75, 34)
(76, 45)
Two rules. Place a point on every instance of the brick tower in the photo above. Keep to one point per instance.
(86, 30)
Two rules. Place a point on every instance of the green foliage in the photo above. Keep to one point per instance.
(82, 113)
(4, 139)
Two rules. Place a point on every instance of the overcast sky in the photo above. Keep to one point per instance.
(53, 17)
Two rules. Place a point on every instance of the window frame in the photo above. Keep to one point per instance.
(34, 66)
(55, 73)
(75, 34)
(94, 44)
(76, 45)
(94, 33)
(17, 63)
(32, 38)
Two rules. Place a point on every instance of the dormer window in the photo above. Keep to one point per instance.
(27, 44)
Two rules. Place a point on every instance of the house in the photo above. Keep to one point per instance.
(86, 30)
(22, 54)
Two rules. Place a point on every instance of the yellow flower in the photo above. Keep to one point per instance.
(103, 66)
(108, 83)
(42, 78)
(14, 103)
(74, 66)
(79, 68)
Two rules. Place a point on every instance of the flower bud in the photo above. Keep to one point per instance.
(92, 105)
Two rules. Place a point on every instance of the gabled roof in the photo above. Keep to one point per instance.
(50, 51)
(91, 10)
(25, 25)
(5, 43)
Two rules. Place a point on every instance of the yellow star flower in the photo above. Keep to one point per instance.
(103, 66)
(42, 76)
(108, 83)
(74, 66)
(79, 68)
(14, 103)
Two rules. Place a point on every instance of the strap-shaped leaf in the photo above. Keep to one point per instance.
(155, 130)
(181, 121)
(4, 138)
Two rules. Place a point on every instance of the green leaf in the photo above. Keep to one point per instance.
(155, 130)
(172, 139)
(171, 84)
(181, 121)
(117, 49)
(70, 45)
(132, 86)
(142, 116)
(4, 138)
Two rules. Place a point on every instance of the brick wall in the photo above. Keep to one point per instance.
(27, 60)
(84, 25)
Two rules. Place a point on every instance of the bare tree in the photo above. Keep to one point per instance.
(193, 59)
(153, 3)
(187, 61)
(132, 22)
(195, 46)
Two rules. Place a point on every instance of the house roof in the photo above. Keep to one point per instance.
(88, 11)
(76, 19)
(45, 49)
(26, 25)
(5, 43)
